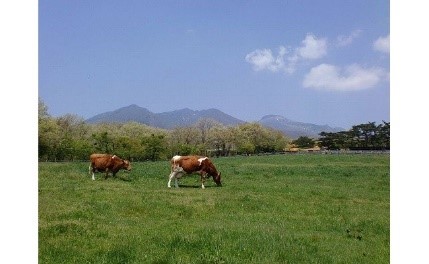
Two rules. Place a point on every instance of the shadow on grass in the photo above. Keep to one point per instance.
(127, 179)
(195, 186)
(120, 177)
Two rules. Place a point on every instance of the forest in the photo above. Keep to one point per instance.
(70, 138)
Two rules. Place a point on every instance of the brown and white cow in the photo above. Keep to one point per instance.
(181, 165)
(107, 163)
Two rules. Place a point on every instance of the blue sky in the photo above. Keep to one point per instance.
(323, 62)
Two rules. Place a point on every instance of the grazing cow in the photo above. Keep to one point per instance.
(107, 163)
(181, 165)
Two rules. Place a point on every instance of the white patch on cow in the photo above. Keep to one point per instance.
(201, 159)
(176, 158)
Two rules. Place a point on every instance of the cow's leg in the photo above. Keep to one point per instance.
(107, 174)
(92, 169)
(176, 172)
(203, 179)
(175, 175)
(172, 175)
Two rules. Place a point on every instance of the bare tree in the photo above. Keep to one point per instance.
(204, 125)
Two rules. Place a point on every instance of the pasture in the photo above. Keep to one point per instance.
(271, 209)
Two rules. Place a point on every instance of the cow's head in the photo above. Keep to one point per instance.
(126, 165)
(217, 180)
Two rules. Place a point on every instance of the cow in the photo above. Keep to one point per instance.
(181, 165)
(107, 163)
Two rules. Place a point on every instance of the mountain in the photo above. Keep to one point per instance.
(295, 129)
(166, 120)
(125, 114)
(187, 117)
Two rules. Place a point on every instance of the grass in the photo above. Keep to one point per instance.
(271, 209)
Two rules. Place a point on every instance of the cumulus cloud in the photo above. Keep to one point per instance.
(382, 44)
(264, 60)
(312, 48)
(351, 78)
(287, 58)
(343, 41)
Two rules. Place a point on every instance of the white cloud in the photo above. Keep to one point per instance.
(352, 78)
(264, 60)
(286, 61)
(347, 40)
(312, 47)
(382, 44)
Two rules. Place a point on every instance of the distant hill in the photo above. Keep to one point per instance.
(187, 117)
(166, 120)
(125, 114)
(295, 129)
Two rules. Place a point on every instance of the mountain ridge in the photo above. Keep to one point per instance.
(186, 117)
(295, 129)
(166, 120)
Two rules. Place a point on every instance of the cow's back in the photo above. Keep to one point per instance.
(188, 163)
(98, 155)
(100, 161)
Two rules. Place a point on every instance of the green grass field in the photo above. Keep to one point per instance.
(271, 209)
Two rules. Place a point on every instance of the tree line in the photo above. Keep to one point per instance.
(369, 136)
(69, 138)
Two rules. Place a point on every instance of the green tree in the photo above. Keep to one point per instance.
(367, 136)
(363, 135)
(221, 140)
(383, 135)
(155, 146)
(280, 141)
(49, 138)
(82, 148)
(43, 110)
(103, 142)
(254, 138)
(304, 142)
(185, 141)
(72, 130)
